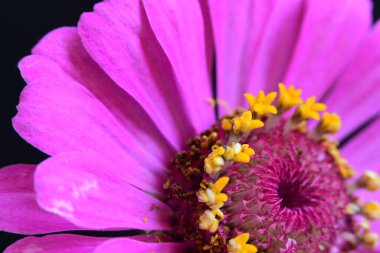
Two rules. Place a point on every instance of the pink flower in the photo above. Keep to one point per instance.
(114, 100)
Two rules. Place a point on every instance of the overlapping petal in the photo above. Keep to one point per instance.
(19, 211)
(94, 193)
(357, 93)
(57, 114)
(56, 244)
(363, 150)
(331, 33)
(121, 244)
(180, 29)
(238, 29)
(261, 43)
(128, 51)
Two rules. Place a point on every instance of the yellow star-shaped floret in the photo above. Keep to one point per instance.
(371, 210)
(245, 123)
(239, 153)
(288, 97)
(370, 180)
(310, 109)
(214, 162)
(212, 195)
(330, 123)
(262, 104)
(239, 245)
(208, 220)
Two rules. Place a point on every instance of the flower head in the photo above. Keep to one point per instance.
(120, 106)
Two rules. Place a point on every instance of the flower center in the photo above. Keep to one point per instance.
(258, 180)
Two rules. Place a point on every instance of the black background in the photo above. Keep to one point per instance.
(23, 23)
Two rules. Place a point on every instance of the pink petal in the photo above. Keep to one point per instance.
(277, 45)
(357, 93)
(58, 114)
(90, 192)
(64, 47)
(19, 212)
(119, 245)
(56, 244)
(330, 34)
(118, 36)
(180, 29)
(237, 32)
(363, 150)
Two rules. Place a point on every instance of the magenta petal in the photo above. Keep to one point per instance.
(57, 114)
(91, 193)
(121, 244)
(238, 29)
(357, 93)
(19, 212)
(56, 244)
(64, 47)
(330, 34)
(277, 45)
(363, 150)
(185, 46)
(118, 37)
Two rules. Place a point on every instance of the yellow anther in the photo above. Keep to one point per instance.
(288, 97)
(370, 240)
(371, 210)
(345, 170)
(227, 124)
(215, 162)
(310, 109)
(212, 195)
(245, 123)
(330, 123)
(262, 104)
(370, 180)
(239, 245)
(239, 153)
(208, 220)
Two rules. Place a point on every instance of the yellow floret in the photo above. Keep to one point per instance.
(288, 97)
(370, 240)
(227, 124)
(213, 196)
(370, 180)
(330, 123)
(262, 104)
(208, 220)
(310, 109)
(214, 162)
(239, 245)
(371, 210)
(245, 123)
(239, 153)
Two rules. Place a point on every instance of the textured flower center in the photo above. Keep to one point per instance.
(261, 181)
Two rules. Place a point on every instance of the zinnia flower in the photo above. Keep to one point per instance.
(122, 106)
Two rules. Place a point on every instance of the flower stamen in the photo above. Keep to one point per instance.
(214, 162)
(370, 181)
(239, 153)
(239, 245)
(288, 97)
(212, 195)
(371, 210)
(262, 104)
(310, 109)
(209, 221)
